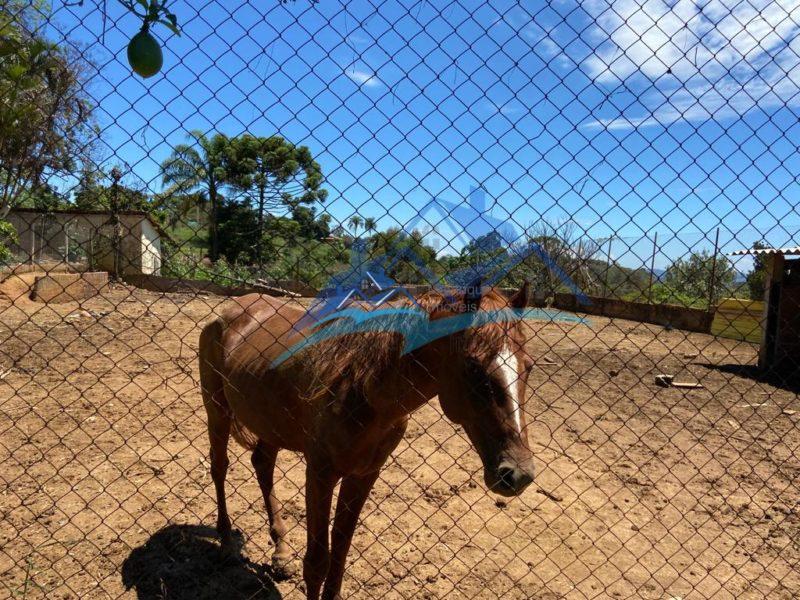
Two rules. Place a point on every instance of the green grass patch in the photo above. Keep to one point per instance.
(739, 319)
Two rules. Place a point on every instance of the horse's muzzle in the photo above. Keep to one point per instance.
(510, 479)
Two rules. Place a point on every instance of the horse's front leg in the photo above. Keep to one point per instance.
(352, 495)
(319, 493)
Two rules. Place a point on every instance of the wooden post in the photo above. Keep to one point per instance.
(713, 272)
(774, 264)
(608, 268)
(116, 240)
(652, 269)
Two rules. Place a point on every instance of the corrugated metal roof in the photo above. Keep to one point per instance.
(785, 251)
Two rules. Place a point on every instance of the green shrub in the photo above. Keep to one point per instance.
(8, 236)
(310, 262)
(183, 266)
(663, 293)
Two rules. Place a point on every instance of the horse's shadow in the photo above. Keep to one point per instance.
(186, 561)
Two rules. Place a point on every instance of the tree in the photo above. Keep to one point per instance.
(311, 227)
(238, 231)
(310, 261)
(757, 278)
(8, 236)
(406, 255)
(355, 223)
(476, 258)
(87, 194)
(701, 276)
(93, 193)
(45, 198)
(45, 117)
(199, 167)
(561, 245)
(182, 207)
(272, 173)
(370, 224)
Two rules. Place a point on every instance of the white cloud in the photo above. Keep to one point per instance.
(623, 123)
(362, 77)
(712, 59)
(357, 38)
(520, 21)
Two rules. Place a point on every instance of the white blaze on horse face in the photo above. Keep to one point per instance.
(506, 365)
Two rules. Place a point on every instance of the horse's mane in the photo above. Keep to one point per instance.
(353, 363)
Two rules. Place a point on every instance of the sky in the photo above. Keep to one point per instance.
(627, 117)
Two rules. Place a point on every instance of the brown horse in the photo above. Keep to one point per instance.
(345, 403)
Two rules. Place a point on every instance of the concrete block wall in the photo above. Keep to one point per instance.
(68, 287)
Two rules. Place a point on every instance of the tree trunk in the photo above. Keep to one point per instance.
(212, 223)
(261, 193)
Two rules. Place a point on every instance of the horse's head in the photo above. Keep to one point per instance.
(482, 387)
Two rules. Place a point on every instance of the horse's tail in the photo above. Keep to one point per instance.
(213, 389)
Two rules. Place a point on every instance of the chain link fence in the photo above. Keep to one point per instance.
(585, 215)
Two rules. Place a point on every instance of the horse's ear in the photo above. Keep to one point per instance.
(472, 295)
(521, 297)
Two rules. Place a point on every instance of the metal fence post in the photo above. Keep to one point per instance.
(713, 281)
(608, 268)
(652, 269)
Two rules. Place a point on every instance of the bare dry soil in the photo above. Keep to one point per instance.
(641, 492)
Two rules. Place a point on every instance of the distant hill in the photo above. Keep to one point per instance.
(658, 274)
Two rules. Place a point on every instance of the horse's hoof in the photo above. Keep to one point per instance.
(225, 533)
(231, 545)
(283, 568)
(231, 552)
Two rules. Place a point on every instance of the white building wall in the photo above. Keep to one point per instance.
(151, 249)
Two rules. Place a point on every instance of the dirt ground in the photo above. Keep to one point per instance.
(641, 492)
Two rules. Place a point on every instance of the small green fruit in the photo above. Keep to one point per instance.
(144, 54)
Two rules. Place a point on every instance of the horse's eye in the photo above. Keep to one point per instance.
(473, 367)
(478, 377)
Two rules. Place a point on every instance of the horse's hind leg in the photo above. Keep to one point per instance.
(263, 459)
(219, 429)
(219, 421)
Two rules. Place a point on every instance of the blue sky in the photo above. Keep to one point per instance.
(669, 117)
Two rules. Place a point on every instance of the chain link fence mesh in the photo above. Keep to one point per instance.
(614, 155)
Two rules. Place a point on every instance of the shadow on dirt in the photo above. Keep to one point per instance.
(787, 380)
(186, 561)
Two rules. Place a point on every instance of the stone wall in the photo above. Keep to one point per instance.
(666, 315)
(169, 285)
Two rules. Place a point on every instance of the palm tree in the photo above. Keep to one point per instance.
(179, 206)
(370, 224)
(199, 167)
(355, 222)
